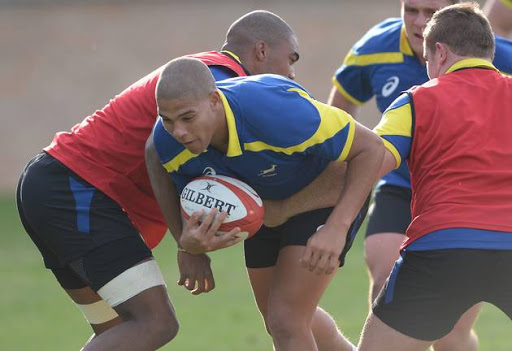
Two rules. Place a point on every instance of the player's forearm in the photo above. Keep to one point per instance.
(164, 191)
(361, 173)
(324, 191)
(339, 101)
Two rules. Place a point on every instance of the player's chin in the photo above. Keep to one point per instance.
(195, 147)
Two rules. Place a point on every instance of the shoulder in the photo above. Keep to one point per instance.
(166, 146)
(503, 55)
(384, 37)
(271, 108)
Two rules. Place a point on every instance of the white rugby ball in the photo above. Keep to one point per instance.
(227, 194)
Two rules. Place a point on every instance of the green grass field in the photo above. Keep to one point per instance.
(35, 314)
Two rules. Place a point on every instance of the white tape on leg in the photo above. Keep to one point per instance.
(132, 282)
(98, 312)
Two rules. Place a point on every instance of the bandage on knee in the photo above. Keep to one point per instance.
(98, 312)
(132, 282)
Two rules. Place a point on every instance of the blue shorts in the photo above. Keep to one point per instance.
(262, 250)
(391, 210)
(428, 291)
(84, 236)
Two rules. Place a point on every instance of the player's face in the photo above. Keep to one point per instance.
(416, 14)
(190, 121)
(282, 57)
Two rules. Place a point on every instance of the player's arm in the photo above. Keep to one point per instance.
(191, 235)
(337, 99)
(364, 162)
(499, 13)
(324, 191)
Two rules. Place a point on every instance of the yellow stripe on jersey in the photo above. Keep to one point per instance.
(182, 158)
(507, 3)
(405, 46)
(234, 148)
(332, 120)
(373, 59)
(344, 93)
(397, 121)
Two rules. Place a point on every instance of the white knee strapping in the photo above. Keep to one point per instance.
(98, 312)
(132, 282)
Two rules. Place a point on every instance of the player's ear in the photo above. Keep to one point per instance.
(442, 52)
(261, 50)
(214, 98)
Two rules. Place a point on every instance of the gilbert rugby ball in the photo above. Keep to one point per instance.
(239, 200)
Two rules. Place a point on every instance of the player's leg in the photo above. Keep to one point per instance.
(325, 331)
(462, 337)
(87, 240)
(425, 295)
(389, 217)
(293, 298)
(378, 336)
(261, 252)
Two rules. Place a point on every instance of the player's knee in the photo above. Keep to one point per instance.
(165, 327)
(282, 325)
(462, 339)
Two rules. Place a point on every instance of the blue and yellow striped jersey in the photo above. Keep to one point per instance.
(280, 138)
(382, 64)
(507, 2)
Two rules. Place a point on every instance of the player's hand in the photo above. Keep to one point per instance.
(274, 213)
(323, 250)
(199, 237)
(195, 273)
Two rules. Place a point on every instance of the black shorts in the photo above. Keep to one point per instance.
(391, 210)
(84, 236)
(428, 291)
(263, 248)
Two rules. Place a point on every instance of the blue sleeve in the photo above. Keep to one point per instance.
(221, 72)
(281, 116)
(352, 81)
(503, 55)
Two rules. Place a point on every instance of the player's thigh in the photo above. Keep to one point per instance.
(381, 252)
(428, 291)
(390, 211)
(261, 279)
(295, 291)
(100, 315)
(377, 335)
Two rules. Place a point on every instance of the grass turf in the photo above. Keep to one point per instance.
(36, 314)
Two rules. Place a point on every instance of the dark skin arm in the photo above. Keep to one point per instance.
(363, 167)
(194, 238)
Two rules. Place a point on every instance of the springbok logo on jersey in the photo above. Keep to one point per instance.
(270, 172)
(390, 86)
(209, 171)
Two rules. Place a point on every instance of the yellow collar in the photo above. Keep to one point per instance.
(471, 63)
(234, 148)
(230, 53)
(405, 46)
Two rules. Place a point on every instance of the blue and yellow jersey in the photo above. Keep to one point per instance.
(280, 138)
(382, 64)
(507, 3)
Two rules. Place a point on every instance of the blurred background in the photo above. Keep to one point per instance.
(61, 60)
